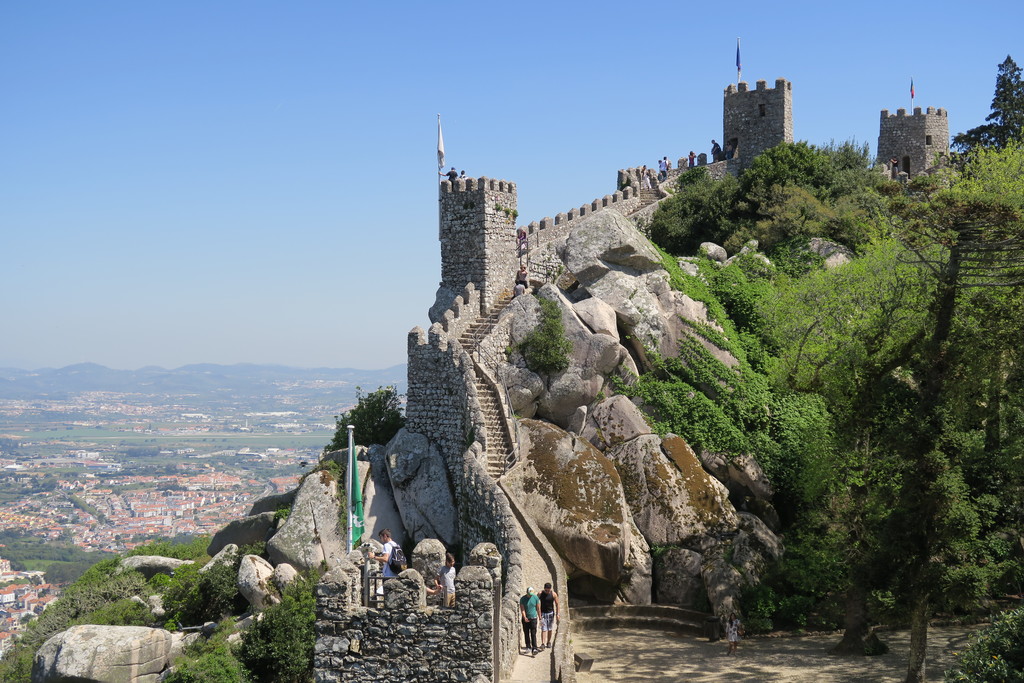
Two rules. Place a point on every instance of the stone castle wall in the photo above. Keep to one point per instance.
(757, 120)
(405, 640)
(477, 233)
(915, 140)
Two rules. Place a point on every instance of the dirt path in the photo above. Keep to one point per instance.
(627, 655)
(535, 573)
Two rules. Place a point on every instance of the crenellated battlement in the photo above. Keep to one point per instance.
(756, 120)
(914, 140)
(477, 184)
(404, 639)
(624, 201)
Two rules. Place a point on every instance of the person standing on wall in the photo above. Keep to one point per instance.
(548, 614)
(693, 159)
(528, 611)
(385, 557)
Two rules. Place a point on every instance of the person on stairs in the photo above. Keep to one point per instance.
(548, 614)
(522, 278)
(528, 610)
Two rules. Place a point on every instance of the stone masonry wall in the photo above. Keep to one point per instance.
(477, 233)
(917, 139)
(406, 640)
(757, 119)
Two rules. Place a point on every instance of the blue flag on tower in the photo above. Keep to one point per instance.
(739, 67)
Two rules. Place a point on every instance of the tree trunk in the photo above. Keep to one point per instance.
(918, 639)
(858, 636)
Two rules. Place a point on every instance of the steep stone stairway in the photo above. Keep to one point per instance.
(499, 442)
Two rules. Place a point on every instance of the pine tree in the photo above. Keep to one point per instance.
(1006, 122)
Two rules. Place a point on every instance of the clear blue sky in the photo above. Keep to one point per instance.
(256, 181)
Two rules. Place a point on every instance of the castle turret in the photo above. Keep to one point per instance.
(477, 233)
(915, 141)
(756, 120)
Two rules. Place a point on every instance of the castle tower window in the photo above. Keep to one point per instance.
(927, 139)
(760, 109)
(905, 166)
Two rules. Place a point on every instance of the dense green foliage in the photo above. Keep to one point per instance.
(791, 190)
(997, 656)
(882, 398)
(377, 417)
(63, 563)
(279, 647)
(1005, 124)
(209, 661)
(545, 349)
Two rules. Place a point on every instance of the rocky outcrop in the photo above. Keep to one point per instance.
(740, 473)
(614, 421)
(151, 565)
(246, 531)
(678, 579)
(833, 253)
(380, 511)
(573, 494)
(227, 555)
(311, 536)
(673, 500)
(284, 574)
(273, 503)
(422, 491)
(255, 582)
(103, 654)
(616, 264)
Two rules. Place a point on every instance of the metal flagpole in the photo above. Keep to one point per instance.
(349, 487)
(440, 167)
(739, 67)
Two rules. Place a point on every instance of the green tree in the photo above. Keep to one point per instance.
(1006, 122)
(997, 656)
(546, 348)
(377, 417)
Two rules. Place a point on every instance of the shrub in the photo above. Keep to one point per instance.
(208, 661)
(192, 598)
(279, 647)
(996, 656)
(545, 349)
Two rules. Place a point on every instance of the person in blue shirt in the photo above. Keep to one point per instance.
(528, 605)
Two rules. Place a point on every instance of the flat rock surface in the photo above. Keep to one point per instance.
(625, 655)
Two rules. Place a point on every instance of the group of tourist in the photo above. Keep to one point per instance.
(542, 608)
(444, 581)
(452, 175)
(718, 155)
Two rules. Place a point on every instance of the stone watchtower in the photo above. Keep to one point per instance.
(477, 233)
(756, 120)
(914, 140)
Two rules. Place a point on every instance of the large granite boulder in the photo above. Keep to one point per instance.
(421, 488)
(273, 502)
(754, 547)
(673, 500)
(616, 264)
(573, 493)
(614, 421)
(151, 565)
(255, 582)
(227, 555)
(312, 534)
(246, 531)
(524, 386)
(380, 511)
(723, 582)
(593, 356)
(598, 316)
(740, 473)
(833, 253)
(103, 654)
(678, 579)
(637, 573)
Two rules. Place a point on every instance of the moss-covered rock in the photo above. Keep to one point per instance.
(575, 496)
(673, 500)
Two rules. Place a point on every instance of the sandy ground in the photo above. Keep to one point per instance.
(624, 655)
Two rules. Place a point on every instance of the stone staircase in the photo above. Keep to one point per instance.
(660, 617)
(499, 441)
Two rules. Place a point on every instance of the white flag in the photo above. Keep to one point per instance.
(440, 145)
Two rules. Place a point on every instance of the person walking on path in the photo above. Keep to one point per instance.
(528, 610)
(733, 632)
(549, 610)
(522, 278)
(444, 582)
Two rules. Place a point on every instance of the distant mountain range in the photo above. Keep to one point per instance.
(200, 379)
